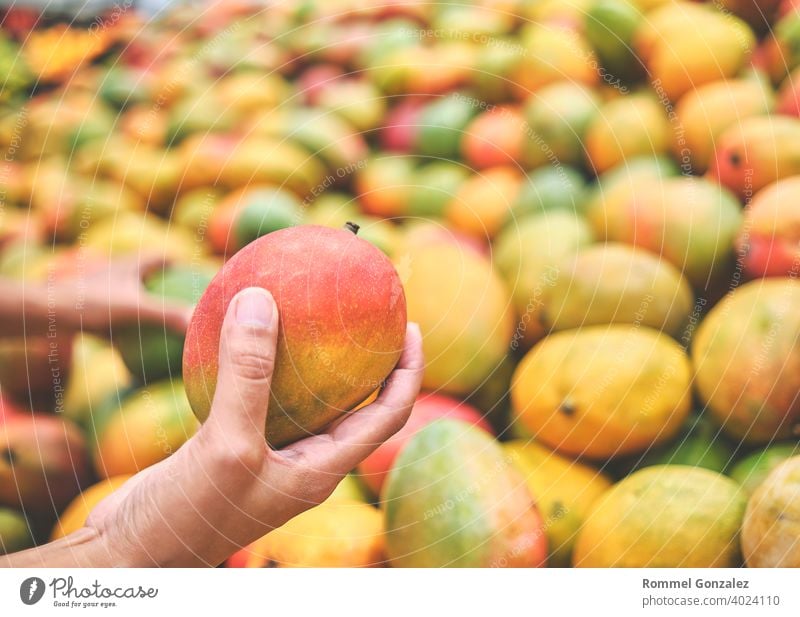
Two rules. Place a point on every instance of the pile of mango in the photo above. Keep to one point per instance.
(591, 204)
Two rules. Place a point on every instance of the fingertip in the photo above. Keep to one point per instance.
(254, 306)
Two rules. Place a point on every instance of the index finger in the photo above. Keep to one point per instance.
(350, 440)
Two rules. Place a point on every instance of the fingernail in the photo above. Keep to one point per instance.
(253, 307)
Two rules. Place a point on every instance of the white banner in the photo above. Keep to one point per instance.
(384, 593)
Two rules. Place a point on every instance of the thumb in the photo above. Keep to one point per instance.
(247, 350)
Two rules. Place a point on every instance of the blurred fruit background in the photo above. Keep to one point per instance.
(594, 206)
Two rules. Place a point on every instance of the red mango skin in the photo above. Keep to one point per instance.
(342, 324)
(788, 102)
(768, 242)
(314, 80)
(7, 410)
(399, 132)
(494, 138)
(756, 152)
(427, 408)
(43, 462)
(220, 228)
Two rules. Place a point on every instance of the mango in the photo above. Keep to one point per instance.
(199, 112)
(384, 184)
(150, 352)
(527, 257)
(454, 499)
(685, 45)
(558, 117)
(564, 490)
(193, 209)
(249, 213)
(442, 125)
(610, 27)
(608, 199)
(327, 137)
(771, 532)
(603, 391)
(705, 112)
(129, 232)
(494, 138)
(15, 535)
(767, 244)
(778, 53)
(427, 408)
(552, 52)
(75, 514)
(433, 186)
(232, 162)
(753, 469)
(755, 152)
(43, 463)
(667, 516)
(691, 222)
(357, 102)
(464, 311)
(747, 363)
(153, 173)
(340, 534)
(400, 126)
(248, 92)
(549, 189)
(98, 371)
(146, 427)
(616, 284)
(788, 96)
(624, 128)
(348, 292)
(484, 202)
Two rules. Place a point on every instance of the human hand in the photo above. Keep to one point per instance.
(226, 487)
(113, 295)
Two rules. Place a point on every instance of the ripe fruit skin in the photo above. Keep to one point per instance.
(153, 353)
(557, 117)
(771, 529)
(147, 427)
(342, 314)
(591, 392)
(686, 45)
(755, 152)
(767, 244)
(250, 213)
(484, 202)
(707, 111)
(527, 256)
(427, 408)
(341, 533)
(564, 489)
(454, 499)
(631, 126)
(617, 283)
(747, 361)
(691, 222)
(43, 462)
(464, 312)
(15, 535)
(494, 138)
(665, 516)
